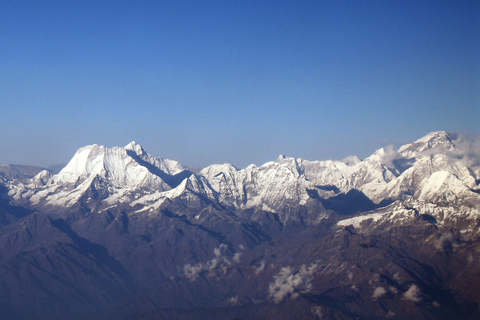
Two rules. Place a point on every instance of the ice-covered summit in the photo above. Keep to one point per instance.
(116, 165)
(170, 167)
(439, 141)
(114, 175)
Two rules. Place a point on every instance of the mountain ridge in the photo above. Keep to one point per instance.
(119, 233)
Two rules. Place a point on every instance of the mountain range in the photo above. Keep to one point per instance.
(121, 234)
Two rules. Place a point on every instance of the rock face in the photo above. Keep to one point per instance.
(121, 234)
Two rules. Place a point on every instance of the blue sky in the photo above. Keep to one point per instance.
(207, 82)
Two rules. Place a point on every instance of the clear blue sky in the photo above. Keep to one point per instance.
(207, 82)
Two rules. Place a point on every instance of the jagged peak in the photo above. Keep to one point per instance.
(378, 155)
(134, 146)
(42, 174)
(288, 160)
(437, 139)
(82, 158)
(351, 160)
(42, 178)
(216, 169)
(435, 136)
(168, 166)
(284, 162)
(114, 164)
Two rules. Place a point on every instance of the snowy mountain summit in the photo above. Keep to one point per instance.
(130, 167)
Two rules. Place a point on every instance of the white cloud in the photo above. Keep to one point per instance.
(443, 240)
(412, 294)
(467, 149)
(260, 268)
(317, 312)
(397, 277)
(192, 271)
(234, 301)
(236, 257)
(290, 283)
(389, 155)
(218, 251)
(350, 275)
(378, 292)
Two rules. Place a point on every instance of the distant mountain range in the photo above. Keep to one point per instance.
(15, 171)
(12, 171)
(121, 234)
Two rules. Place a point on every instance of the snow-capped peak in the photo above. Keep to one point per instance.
(435, 137)
(216, 169)
(113, 164)
(87, 160)
(135, 147)
(352, 160)
(291, 163)
(170, 167)
(440, 140)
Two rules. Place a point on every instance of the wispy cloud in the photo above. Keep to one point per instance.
(317, 312)
(467, 149)
(390, 314)
(234, 301)
(220, 261)
(378, 292)
(350, 275)
(290, 284)
(260, 268)
(443, 240)
(389, 156)
(413, 293)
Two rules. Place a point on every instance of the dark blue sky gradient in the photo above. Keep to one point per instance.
(207, 82)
